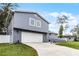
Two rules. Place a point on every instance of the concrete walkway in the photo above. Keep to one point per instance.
(47, 49)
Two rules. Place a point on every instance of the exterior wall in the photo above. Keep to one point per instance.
(16, 36)
(45, 38)
(10, 30)
(21, 20)
(4, 38)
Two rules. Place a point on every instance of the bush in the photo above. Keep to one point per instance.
(60, 36)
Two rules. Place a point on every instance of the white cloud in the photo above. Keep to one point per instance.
(67, 14)
(53, 27)
(54, 14)
(73, 20)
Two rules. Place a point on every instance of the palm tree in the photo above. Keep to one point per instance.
(62, 19)
(6, 15)
(1, 21)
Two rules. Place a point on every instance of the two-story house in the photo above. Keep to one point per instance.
(28, 27)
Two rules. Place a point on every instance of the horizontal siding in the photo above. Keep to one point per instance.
(21, 20)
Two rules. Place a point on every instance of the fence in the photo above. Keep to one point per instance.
(4, 38)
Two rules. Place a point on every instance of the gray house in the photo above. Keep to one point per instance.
(28, 27)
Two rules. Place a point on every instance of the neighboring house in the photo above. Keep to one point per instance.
(28, 27)
(52, 35)
(69, 37)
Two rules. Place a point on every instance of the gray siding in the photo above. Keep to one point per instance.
(45, 39)
(16, 36)
(21, 20)
(10, 28)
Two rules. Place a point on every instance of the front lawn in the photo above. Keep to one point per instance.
(69, 44)
(17, 50)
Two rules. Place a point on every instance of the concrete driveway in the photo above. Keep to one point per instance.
(47, 49)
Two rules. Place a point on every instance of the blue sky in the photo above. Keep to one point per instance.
(50, 11)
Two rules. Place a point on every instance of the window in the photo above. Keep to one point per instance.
(34, 22)
(38, 23)
(31, 21)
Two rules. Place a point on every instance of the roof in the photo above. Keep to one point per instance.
(30, 30)
(31, 13)
(53, 33)
(69, 36)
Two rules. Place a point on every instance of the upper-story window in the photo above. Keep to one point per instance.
(38, 23)
(34, 22)
(31, 21)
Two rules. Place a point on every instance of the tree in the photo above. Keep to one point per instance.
(1, 21)
(6, 15)
(75, 31)
(61, 31)
(62, 19)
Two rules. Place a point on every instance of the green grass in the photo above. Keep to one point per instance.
(70, 44)
(17, 50)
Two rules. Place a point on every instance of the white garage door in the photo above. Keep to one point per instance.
(31, 37)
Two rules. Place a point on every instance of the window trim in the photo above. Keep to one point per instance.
(37, 23)
(30, 19)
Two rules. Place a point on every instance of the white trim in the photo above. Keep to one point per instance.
(11, 36)
(38, 22)
(30, 20)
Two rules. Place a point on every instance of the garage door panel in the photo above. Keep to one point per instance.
(31, 37)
